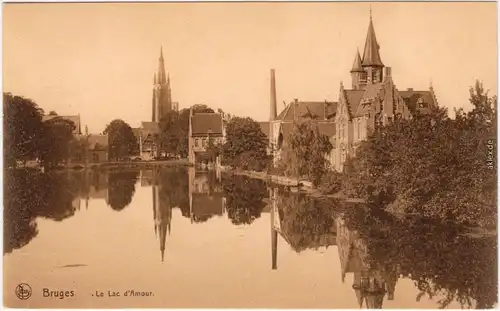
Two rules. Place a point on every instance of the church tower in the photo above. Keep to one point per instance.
(371, 62)
(162, 93)
(358, 74)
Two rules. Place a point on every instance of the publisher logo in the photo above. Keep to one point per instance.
(23, 291)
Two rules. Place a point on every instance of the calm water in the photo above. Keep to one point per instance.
(199, 239)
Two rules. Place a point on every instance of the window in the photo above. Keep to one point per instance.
(359, 129)
(362, 76)
(196, 142)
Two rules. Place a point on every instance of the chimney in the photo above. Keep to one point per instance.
(388, 72)
(273, 108)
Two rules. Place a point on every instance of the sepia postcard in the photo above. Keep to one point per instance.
(336, 155)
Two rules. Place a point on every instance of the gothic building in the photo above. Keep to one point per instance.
(373, 100)
(161, 104)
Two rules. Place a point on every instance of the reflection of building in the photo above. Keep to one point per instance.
(205, 195)
(161, 105)
(204, 129)
(370, 283)
(162, 214)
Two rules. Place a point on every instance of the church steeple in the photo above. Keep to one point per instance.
(371, 62)
(356, 66)
(161, 79)
(371, 54)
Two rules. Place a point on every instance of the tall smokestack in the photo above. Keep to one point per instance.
(272, 112)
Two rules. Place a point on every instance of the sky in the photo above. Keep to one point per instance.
(98, 59)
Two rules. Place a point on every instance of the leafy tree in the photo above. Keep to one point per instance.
(52, 113)
(22, 128)
(122, 141)
(170, 132)
(309, 148)
(202, 108)
(57, 136)
(245, 141)
(432, 165)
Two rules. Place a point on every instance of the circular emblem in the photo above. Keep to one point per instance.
(23, 291)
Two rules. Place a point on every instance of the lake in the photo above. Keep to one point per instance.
(177, 237)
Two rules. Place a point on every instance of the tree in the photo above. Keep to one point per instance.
(245, 141)
(201, 108)
(56, 140)
(122, 141)
(309, 148)
(22, 128)
(432, 165)
(170, 132)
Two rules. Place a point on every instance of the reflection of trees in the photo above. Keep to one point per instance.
(244, 198)
(121, 189)
(440, 260)
(306, 222)
(30, 194)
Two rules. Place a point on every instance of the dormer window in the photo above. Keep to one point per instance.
(421, 103)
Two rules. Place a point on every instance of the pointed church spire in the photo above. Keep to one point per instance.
(273, 107)
(161, 76)
(371, 54)
(356, 66)
(154, 79)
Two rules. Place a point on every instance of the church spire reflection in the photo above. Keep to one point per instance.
(162, 213)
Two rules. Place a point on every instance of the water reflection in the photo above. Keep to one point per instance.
(376, 251)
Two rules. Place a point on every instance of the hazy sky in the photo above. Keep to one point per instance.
(99, 59)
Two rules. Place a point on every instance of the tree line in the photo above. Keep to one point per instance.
(430, 165)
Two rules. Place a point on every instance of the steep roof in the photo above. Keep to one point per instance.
(149, 126)
(74, 119)
(371, 54)
(319, 110)
(356, 66)
(204, 123)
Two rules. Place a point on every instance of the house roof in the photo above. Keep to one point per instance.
(74, 119)
(327, 128)
(310, 109)
(98, 142)
(149, 126)
(264, 127)
(204, 123)
(413, 99)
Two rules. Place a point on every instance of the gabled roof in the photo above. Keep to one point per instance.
(204, 123)
(371, 54)
(264, 127)
(353, 99)
(315, 110)
(74, 119)
(149, 126)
